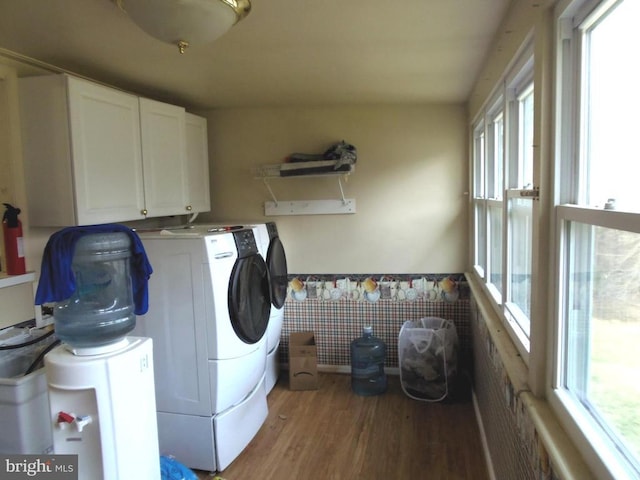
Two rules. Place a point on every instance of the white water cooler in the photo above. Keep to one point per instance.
(100, 381)
(104, 410)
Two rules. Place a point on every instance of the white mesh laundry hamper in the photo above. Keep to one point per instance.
(428, 358)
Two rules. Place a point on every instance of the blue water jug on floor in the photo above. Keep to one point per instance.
(368, 354)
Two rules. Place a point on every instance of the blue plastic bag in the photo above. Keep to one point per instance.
(171, 469)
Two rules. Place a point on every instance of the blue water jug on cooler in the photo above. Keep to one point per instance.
(101, 310)
(368, 354)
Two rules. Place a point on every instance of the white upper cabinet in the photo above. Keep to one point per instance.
(94, 154)
(82, 153)
(164, 158)
(198, 163)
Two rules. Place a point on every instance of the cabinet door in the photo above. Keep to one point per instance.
(177, 322)
(198, 163)
(163, 158)
(106, 153)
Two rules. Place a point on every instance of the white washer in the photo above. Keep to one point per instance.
(272, 251)
(208, 314)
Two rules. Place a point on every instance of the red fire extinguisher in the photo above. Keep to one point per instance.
(13, 241)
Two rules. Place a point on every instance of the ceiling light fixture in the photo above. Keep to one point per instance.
(186, 22)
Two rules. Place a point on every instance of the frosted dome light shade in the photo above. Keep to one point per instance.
(187, 22)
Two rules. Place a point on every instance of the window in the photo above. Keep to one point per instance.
(488, 188)
(495, 187)
(503, 207)
(479, 206)
(611, 104)
(520, 206)
(595, 383)
(600, 334)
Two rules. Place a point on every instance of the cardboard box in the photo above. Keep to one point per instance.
(303, 365)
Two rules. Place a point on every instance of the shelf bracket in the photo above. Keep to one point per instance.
(266, 184)
(344, 201)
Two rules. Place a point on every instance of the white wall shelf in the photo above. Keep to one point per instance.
(310, 207)
(11, 280)
(276, 207)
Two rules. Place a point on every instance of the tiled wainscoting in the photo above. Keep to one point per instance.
(336, 307)
(521, 433)
(511, 438)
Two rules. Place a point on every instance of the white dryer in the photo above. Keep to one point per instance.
(276, 259)
(209, 310)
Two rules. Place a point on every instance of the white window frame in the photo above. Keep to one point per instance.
(479, 200)
(495, 127)
(599, 451)
(517, 79)
(519, 83)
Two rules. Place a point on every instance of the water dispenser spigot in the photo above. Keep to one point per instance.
(82, 421)
(64, 417)
(64, 420)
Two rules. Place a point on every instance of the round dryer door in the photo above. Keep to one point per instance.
(249, 303)
(277, 264)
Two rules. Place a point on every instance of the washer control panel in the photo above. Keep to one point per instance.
(245, 242)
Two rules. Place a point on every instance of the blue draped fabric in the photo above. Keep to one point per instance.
(57, 281)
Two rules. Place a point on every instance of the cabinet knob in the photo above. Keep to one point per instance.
(188, 208)
(144, 212)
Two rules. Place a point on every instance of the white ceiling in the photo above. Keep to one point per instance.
(285, 53)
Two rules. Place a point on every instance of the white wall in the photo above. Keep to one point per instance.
(410, 184)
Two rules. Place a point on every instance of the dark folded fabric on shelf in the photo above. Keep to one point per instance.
(305, 157)
(342, 152)
(315, 170)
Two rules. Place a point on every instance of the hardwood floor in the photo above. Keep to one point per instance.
(332, 433)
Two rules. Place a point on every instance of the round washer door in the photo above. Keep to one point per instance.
(277, 264)
(249, 302)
